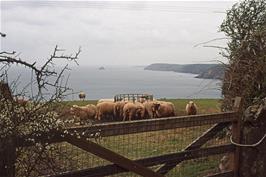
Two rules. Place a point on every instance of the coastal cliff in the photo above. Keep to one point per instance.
(206, 71)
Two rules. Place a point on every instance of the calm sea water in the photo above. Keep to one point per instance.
(115, 80)
(106, 83)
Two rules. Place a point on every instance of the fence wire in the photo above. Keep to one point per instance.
(57, 158)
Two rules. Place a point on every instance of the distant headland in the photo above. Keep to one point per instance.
(205, 71)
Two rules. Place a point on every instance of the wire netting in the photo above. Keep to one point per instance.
(56, 158)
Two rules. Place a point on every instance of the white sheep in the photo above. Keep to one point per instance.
(82, 96)
(191, 108)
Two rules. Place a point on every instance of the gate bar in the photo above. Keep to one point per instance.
(112, 156)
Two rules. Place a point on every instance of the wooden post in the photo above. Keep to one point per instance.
(5, 91)
(7, 158)
(253, 144)
(3, 171)
(236, 132)
(7, 145)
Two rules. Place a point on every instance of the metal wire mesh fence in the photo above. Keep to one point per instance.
(157, 144)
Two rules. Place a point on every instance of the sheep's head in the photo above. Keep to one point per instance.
(142, 99)
(155, 106)
(191, 103)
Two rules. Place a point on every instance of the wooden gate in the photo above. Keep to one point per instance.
(141, 166)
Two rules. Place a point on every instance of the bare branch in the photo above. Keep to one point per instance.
(216, 39)
(8, 53)
(213, 46)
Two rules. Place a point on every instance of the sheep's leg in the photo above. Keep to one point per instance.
(143, 114)
(99, 116)
(154, 115)
(124, 116)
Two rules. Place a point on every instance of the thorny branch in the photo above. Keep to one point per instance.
(44, 71)
(35, 115)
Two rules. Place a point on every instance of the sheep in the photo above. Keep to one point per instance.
(118, 110)
(129, 111)
(140, 110)
(105, 100)
(84, 113)
(191, 108)
(142, 99)
(82, 96)
(150, 108)
(105, 110)
(133, 110)
(165, 109)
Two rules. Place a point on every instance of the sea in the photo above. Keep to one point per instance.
(113, 80)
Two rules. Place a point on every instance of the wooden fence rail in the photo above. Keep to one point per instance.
(139, 126)
(151, 161)
(130, 127)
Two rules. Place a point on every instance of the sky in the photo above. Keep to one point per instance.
(115, 32)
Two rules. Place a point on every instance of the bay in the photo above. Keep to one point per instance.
(113, 80)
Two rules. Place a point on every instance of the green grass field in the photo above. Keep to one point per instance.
(205, 105)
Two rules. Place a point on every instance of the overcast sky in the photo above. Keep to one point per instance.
(115, 33)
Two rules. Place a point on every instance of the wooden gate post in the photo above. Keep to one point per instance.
(253, 141)
(236, 133)
(2, 159)
(7, 145)
(7, 157)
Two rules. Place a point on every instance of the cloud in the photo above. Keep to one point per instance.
(114, 32)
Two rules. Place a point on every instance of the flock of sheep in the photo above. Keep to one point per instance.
(108, 110)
